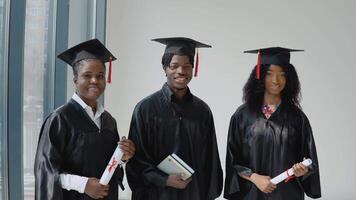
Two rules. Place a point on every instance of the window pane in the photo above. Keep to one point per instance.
(3, 92)
(36, 29)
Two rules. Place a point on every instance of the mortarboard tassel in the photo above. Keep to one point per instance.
(196, 64)
(109, 73)
(258, 68)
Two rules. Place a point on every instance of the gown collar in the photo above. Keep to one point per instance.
(169, 95)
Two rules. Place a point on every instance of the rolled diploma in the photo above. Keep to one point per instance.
(289, 172)
(110, 169)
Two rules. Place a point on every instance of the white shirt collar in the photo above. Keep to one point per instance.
(99, 110)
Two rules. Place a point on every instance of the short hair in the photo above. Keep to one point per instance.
(81, 62)
(253, 91)
(167, 57)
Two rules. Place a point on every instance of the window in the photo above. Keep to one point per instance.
(30, 48)
(35, 58)
(43, 87)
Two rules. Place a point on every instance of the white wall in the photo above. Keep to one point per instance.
(326, 29)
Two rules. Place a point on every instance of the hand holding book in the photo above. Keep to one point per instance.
(176, 181)
(173, 165)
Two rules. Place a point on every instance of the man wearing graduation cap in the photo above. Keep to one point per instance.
(173, 120)
(269, 134)
(78, 139)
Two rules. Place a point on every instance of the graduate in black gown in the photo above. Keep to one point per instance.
(173, 120)
(269, 134)
(78, 139)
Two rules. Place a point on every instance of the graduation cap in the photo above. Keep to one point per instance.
(272, 55)
(182, 46)
(91, 49)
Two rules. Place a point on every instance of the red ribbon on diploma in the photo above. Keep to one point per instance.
(290, 177)
(112, 165)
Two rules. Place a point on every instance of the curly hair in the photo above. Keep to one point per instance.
(167, 57)
(253, 91)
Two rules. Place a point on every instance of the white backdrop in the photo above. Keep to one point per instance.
(326, 29)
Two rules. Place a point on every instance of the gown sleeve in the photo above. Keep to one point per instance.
(141, 170)
(48, 160)
(311, 181)
(235, 186)
(216, 175)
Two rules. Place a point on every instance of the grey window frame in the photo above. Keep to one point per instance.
(14, 99)
(3, 96)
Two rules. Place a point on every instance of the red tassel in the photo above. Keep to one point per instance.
(196, 64)
(258, 68)
(110, 66)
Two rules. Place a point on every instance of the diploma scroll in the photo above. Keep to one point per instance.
(283, 176)
(112, 165)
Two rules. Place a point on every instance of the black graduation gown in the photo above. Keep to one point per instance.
(70, 142)
(269, 147)
(160, 126)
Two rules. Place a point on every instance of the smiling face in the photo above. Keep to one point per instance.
(90, 81)
(179, 73)
(275, 81)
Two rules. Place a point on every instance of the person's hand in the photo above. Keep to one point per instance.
(263, 183)
(299, 169)
(176, 181)
(96, 190)
(127, 147)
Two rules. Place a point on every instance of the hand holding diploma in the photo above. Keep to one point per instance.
(123, 152)
(297, 170)
(300, 169)
(96, 190)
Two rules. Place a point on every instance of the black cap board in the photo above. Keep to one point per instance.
(91, 49)
(272, 55)
(182, 46)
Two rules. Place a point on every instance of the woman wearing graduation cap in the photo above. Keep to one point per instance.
(269, 134)
(78, 139)
(173, 120)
